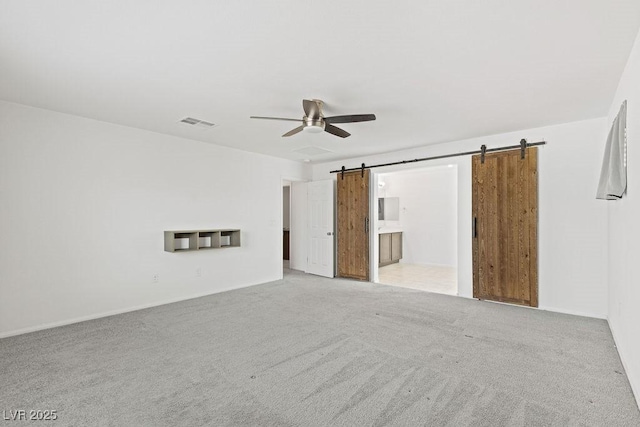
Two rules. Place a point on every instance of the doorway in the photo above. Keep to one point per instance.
(416, 229)
(308, 226)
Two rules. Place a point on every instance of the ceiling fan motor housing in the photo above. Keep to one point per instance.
(313, 125)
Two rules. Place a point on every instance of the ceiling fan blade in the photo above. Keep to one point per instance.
(336, 131)
(350, 118)
(275, 118)
(294, 131)
(311, 108)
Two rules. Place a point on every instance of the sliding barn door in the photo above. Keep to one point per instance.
(353, 225)
(505, 227)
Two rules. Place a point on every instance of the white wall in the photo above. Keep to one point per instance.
(428, 213)
(572, 224)
(624, 230)
(83, 206)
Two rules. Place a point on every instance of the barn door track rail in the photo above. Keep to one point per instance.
(482, 151)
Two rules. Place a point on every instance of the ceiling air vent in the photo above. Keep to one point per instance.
(312, 151)
(197, 122)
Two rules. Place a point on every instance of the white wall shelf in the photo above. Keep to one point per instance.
(193, 240)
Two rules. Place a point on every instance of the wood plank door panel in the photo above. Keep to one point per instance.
(353, 225)
(505, 215)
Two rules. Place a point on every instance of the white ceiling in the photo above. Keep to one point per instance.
(432, 71)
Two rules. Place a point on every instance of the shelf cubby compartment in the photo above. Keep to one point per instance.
(193, 240)
(208, 239)
(180, 241)
(229, 238)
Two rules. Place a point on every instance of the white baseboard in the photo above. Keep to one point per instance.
(574, 313)
(635, 386)
(425, 264)
(118, 311)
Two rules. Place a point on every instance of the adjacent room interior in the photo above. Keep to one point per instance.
(417, 229)
(205, 221)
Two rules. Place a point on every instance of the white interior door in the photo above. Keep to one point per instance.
(321, 231)
(298, 227)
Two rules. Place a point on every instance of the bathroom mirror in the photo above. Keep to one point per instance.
(389, 209)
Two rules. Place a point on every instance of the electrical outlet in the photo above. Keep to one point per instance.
(156, 278)
(198, 272)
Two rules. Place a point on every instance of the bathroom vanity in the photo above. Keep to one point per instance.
(390, 247)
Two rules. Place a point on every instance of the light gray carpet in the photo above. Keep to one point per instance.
(310, 351)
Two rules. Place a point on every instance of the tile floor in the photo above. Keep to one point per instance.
(440, 279)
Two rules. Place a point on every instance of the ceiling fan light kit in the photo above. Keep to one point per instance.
(314, 121)
(313, 125)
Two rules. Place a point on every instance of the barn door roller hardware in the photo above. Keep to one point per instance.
(483, 150)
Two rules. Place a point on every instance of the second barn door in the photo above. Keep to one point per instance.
(353, 225)
(505, 224)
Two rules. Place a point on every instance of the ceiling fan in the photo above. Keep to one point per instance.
(314, 121)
